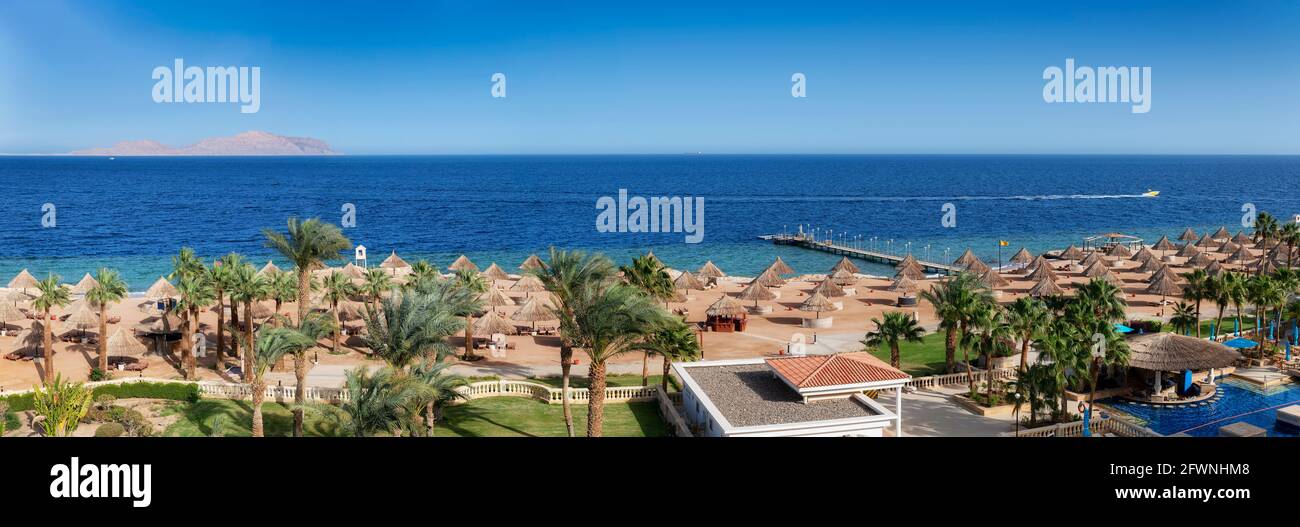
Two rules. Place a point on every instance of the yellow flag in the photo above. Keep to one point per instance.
(1002, 243)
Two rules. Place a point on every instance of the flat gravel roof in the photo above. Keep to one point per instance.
(752, 395)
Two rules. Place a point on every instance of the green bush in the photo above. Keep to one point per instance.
(97, 374)
(109, 430)
(151, 390)
(19, 403)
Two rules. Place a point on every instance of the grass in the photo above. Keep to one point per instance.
(490, 417)
(920, 359)
(11, 421)
(580, 381)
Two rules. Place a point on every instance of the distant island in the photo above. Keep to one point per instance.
(253, 143)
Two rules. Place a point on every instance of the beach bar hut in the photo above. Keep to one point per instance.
(1169, 352)
(726, 315)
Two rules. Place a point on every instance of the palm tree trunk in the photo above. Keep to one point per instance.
(221, 328)
(304, 292)
(645, 368)
(259, 394)
(194, 314)
(663, 382)
(1198, 318)
(893, 353)
(1024, 355)
(187, 347)
(103, 340)
(950, 349)
(469, 337)
(334, 347)
(275, 320)
(566, 364)
(248, 339)
(595, 399)
(234, 324)
(299, 394)
(429, 416)
(965, 356)
(47, 339)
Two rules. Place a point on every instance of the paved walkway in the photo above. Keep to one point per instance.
(929, 413)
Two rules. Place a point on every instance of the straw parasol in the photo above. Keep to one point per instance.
(910, 272)
(532, 262)
(1221, 234)
(1206, 241)
(726, 307)
(1046, 287)
(686, 280)
(1071, 253)
(769, 278)
(756, 292)
(965, 259)
(83, 317)
(14, 296)
(1039, 261)
(269, 269)
(817, 303)
(846, 265)
(1164, 286)
(160, 324)
(1163, 244)
(1228, 247)
(1173, 352)
(1188, 250)
(1240, 256)
(161, 289)
(1096, 269)
(1143, 255)
(10, 314)
(1200, 260)
(1091, 258)
(528, 284)
(977, 266)
(827, 288)
(1188, 235)
(1120, 251)
(1043, 272)
(708, 270)
(1163, 272)
(993, 280)
(1113, 279)
(843, 277)
(1242, 239)
(494, 272)
(493, 323)
(394, 262)
(1150, 266)
(904, 286)
(1264, 266)
(780, 267)
(495, 297)
(1214, 269)
(533, 310)
(354, 271)
(462, 263)
(85, 285)
(24, 280)
(1022, 256)
(124, 344)
(352, 310)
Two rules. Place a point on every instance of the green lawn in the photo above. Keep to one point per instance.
(490, 417)
(580, 381)
(920, 360)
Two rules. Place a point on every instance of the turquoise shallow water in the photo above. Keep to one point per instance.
(133, 213)
(1237, 401)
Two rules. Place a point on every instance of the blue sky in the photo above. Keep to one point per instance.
(657, 77)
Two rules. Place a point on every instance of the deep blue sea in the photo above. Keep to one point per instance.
(133, 213)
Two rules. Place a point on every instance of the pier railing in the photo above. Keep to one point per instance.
(887, 257)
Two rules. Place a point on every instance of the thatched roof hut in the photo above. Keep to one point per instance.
(161, 289)
(353, 271)
(828, 289)
(269, 269)
(1022, 256)
(528, 284)
(532, 262)
(85, 285)
(1188, 235)
(463, 263)
(494, 272)
(726, 307)
(993, 280)
(1163, 244)
(817, 303)
(1172, 352)
(24, 280)
(756, 292)
(491, 323)
(352, 310)
(708, 270)
(1046, 287)
(846, 265)
(124, 344)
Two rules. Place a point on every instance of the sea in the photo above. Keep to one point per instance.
(72, 215)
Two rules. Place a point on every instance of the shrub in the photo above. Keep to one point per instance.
(175, 391)
(62, 404)
(105, 400)
(97, 374)
(109, 430)
(135, 423)
(1145, 326)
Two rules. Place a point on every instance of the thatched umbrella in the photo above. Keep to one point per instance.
(1043, 272)
(1113, 279)
(1188, 235)
(1199, 259)
(10, 314)
(1173, 352)
(1039, 261)
(493, 323)
(1096, 269)
(24, 280)
(965, 259)
(1264, 266)
(756, 292)
(1206, 241)
(905, 287)
(1164, 286)
(164, 324)
(1150, 266)
(817, 303)
(1091, 258)
(726, 307)
(780, 267)
(708, 270)
(83, 317)
(843, 277)
(14, 296)
(393, 263)
(1163, 244)
(495, 297)
(494, 272)
(124, 344)
(1188, 250)
(1120, 251)
(1163, 272)
(85, 285)
(533, 310)
(686, 280)
(1242, 239)
(352, 310)
(1072, 253)
(828, 289)
(462, 263)
(532, 262)
(993, 280)
(354, 271)
(528, 284)
(977, 266)
(1228, 247)
(269, 269)
(1221, 234)
(161, 289)
(769, 278)
(845, 264)
(910, 272)
(1241, 256)
(1214, 269)
(1022, 257)
(1143, 255)
(1046, 287)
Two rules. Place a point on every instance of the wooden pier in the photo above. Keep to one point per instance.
(853, 252)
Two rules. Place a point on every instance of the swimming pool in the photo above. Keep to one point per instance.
(1237, 401)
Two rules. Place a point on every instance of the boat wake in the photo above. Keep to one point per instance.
(1041, 197)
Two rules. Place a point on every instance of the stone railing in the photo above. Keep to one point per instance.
(668, 409)
(947, 379)
(1111, 425)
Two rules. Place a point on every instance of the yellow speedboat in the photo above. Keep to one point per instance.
(1150, 193)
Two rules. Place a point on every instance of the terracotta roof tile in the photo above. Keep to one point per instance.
(817, 371)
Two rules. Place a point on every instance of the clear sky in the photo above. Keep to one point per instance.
(658, 77)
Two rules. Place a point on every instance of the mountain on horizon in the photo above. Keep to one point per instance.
(252, 143)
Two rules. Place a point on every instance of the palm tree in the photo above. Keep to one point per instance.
(1291, 235)
(1028, 317)
(194, 293)
(272, 344)
(954, 301)
(473, 282)
(675, 342)
(51, 295)
(1184, 317)
(308, 245)
(896, 326)
(566, 274)
(609, 321)
(1266, 228)
(423, 274)
(282, 287)
(375, 284)
(247, 287)
(1196, 290)
(109, 289)
(223, 279)
(986, 335)
(413, 326)
(377, 403)
(436, 387)
(315, 327)
(1235, 285)
(336, 287)
(185, 264)
(1216, 290)
(649, 275)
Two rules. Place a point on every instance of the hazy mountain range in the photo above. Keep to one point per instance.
(252, 143)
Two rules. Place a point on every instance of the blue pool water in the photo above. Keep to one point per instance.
(1237, 401)
(134, 213)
